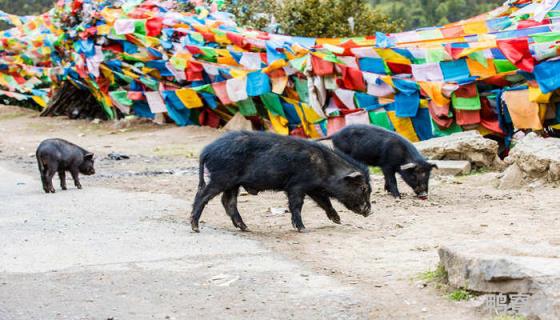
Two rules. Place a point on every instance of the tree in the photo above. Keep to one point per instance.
(428, 13)
(313, 18)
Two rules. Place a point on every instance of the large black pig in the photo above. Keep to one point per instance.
(259, 161)
(376, 146)
(57, 155)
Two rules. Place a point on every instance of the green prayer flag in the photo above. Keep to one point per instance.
(247, 107)
(302, 89)
(150, 83)
(272, 103)
(121, 96)
(439, 132)
(299, 63)
(209, 54)
(479, 57)
(140, 27)
(204, 88)
(503, 65)
(546, 37)
(466, 103)
(381, 119)
(435, 55)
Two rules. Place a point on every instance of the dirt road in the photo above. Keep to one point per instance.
(102, 253)
(365, 268)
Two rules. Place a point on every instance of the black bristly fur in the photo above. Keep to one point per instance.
(259, 161)
(376, 146)
(57, 155)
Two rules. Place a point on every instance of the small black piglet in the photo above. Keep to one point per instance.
(376, 146)
(57, 155)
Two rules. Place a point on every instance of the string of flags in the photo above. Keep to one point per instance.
(495, 73)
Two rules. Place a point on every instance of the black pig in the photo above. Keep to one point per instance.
(57, 155)
(376, 146)
(259, 161)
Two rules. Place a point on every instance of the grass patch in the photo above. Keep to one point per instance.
(460, 295)
(437, 275)
(438, 279)
(376, 171)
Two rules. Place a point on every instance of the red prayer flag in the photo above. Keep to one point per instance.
(517, 52)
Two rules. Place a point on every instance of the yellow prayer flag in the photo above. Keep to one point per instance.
(403, 126)
(475, 27)
(40, 101)
(536, 95)
(390, 55)
(434, 91)
(279, 124)
(189, 98)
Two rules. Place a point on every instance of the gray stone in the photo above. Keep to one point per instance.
(468, 145)
(451, 167)
(537, 157)
(506, 267)
(512, 178)
(238, 122)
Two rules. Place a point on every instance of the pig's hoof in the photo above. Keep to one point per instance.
(194, 227)
(302, 230)
(335, 219)
(238, 223)
(299, 226)
(52, 190)
(79, 186)
(63, 188)
(243, 227)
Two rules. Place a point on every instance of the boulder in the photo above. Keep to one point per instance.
(469, 145)
(451, 168)
(238, 122)
(512, 178)
(495, 267)
(537, 157)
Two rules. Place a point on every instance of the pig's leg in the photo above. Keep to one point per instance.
(325, 203)
(49, 177)
(229, 200)
(391, 182)
(295, 202)
(44, 180)
(62, 176)
(76, 177)
(201, 200)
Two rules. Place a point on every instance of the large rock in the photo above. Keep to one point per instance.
(537, 157)
(468, 145)
(451, 167)
(512, 178)
(506, 268)
(238, 122)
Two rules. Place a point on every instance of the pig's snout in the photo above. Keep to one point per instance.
(365, 210)
(422, 195)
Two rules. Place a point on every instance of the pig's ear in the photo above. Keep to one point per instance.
(408, 166)
(353, 176)
(88, 156)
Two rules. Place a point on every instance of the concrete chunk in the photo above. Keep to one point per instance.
(451, 168)
(468, 145)
(537, 157)
(506, 267)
